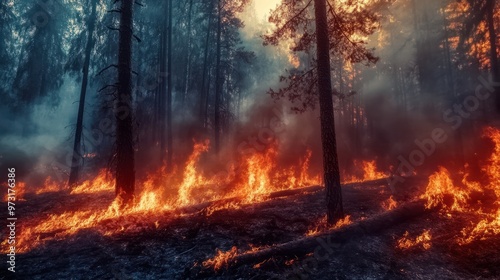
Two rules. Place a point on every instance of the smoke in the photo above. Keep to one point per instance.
(37, 139)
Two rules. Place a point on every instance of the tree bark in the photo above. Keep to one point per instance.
(495, 72)
(188, 57)
(163, 88)
(125, 171)
(203, 96)
(331, 171)
(77, 153)
(169, 93)
(310, 244)
(218, 82)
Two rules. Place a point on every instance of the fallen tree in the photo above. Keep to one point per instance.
(328, 240)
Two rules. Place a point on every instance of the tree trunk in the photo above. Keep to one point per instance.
(218, 83)
(163, 88)
(328, 139)
(169, 93)
(77, 158)
(205, 70)
(495, 72)
(125, 173)
(188, 57)
(330, 240)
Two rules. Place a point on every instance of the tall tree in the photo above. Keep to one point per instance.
(483, 12)
(495, 71)
(125, 170)
(77, 153)
(169, 89)
(40, 72)
(331, 34)
(218, 82)
(328, 139)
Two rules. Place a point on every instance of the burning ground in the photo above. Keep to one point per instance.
(444, 225)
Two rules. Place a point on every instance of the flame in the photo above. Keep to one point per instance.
(253, 177)
(20, 190)
(191, 176)
(99, 184)
(481, 231)
(50, 186)
(423, 239)
(321, 225)
(490, 225)
(221, 258)
(370, 172)
(442, 191)
(389, 204)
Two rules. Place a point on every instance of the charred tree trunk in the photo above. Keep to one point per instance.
(169, 90)
(495, 72)
(77, 153)
(125, 173)
(203, 96)
(163, 87)
(328, 139)
(333, 237)
(218, 83)
(188, 56)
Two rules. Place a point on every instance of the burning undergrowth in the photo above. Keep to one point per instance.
(190, 189)
(460, 194)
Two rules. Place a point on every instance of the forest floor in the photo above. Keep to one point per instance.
(176, 246)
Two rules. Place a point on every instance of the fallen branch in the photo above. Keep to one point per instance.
(309, 244)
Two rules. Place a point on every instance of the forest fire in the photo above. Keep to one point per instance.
(453, 196)
(221, 258)
(389, 204)
(250, 139)
(258, 176)
(369, 172)
(423, 240)
(321, 225)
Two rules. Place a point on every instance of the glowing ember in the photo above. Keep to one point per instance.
(389, 204)
(221, 258)
(423, 240)
(321, 225)
(481, 231)
(20, 190)
(50, 186)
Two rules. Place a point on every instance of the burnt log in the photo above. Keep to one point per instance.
(333, 238)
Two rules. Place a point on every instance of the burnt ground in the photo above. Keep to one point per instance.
(176, 246)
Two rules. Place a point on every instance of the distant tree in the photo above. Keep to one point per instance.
(77, 153)
(483, 13)
(226, 21)
(40, 66)
(7, 21)
(332, 30)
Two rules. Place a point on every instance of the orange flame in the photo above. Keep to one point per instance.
(49, 186)
(389, 204)
(370, 172)
(441, 191)
(100, 184)
(20, 190)
(257, 176)
(221, 258)
(423, 239)
(321, 225)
